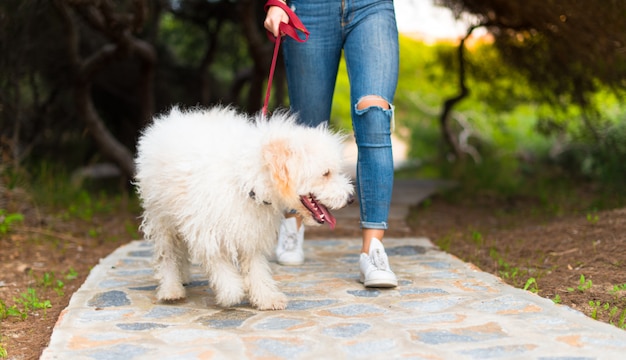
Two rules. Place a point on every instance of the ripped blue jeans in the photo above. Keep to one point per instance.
(366, 32)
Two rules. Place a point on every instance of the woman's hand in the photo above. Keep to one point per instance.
(275, 15)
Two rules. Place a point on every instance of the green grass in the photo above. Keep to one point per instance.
(27, 303)
(30, 301)
(477, 238)
(618, 288)
(592, 218)
(522, 277)
(3, 351)
(504, 269)
(49, 281)
(51, 187)
(583, 284)
(531, 285)
(444, 243)
(616, 316)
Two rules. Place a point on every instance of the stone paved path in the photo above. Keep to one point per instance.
(442, 309)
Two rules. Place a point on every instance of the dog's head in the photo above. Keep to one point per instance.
(305, 167)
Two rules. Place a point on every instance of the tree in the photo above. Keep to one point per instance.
(104, 66)
(116, 24)
(564, 48)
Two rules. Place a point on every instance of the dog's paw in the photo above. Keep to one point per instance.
(274, 301)
(171, 293)
(229, 297)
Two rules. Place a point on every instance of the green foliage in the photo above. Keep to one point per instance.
(444, 243)
(616, 316)
(31, 301)
(583, 284)
(28, 302)
(594, 306)
(531, 285)
(592, 218)
(621, 323)
(186, 43)
(562, 58)
(518, 134)
(51, 186)
(477, 238)
(510, 124)
(515, 275)
(84, 205)
(599, 158)
(618, 288)
(71, 274)
(132, 230)
(505, 270)
(8, 311)
(49, 281)
(7, 219)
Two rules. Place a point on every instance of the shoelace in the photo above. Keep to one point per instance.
(378, 260)
(290, 242)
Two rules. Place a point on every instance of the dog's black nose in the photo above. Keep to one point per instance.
(350, 199)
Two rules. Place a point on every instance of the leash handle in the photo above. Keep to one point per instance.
(290, 29)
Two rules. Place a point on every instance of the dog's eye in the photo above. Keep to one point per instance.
(327, 173)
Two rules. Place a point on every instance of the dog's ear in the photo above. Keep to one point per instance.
(276, 155)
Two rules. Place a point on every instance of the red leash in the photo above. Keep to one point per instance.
(290, 29)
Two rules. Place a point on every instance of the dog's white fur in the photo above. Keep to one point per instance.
(214, 185)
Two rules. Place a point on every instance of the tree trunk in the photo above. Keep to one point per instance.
(444, 119)
(123, 44)
(260, 50)
(107, 143)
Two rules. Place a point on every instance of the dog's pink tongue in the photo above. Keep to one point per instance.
(328, 217)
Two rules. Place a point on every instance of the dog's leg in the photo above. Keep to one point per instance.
(184, 263)
(262, 288)
(226, 281)
(168, 252)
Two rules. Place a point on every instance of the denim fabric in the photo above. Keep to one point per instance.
(366, 31)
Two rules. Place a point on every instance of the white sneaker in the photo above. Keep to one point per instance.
(375, 271)
(290, 241)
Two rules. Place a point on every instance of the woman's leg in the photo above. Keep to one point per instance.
(371, 52)
(312, 66)
(311, 74)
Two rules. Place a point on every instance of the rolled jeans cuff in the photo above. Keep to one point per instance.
(374, 225)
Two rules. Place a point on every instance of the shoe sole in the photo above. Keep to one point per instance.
(381, 283)
(290, 263)
(374, 284)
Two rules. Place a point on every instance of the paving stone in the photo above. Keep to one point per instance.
(109, 298)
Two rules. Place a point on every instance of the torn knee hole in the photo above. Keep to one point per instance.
(372, 100)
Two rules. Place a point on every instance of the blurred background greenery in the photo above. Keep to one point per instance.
(535, 97)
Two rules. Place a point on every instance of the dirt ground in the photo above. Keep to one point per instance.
(547, 254)
(576, 258)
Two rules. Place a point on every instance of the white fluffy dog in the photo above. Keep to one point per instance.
(214, 185)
